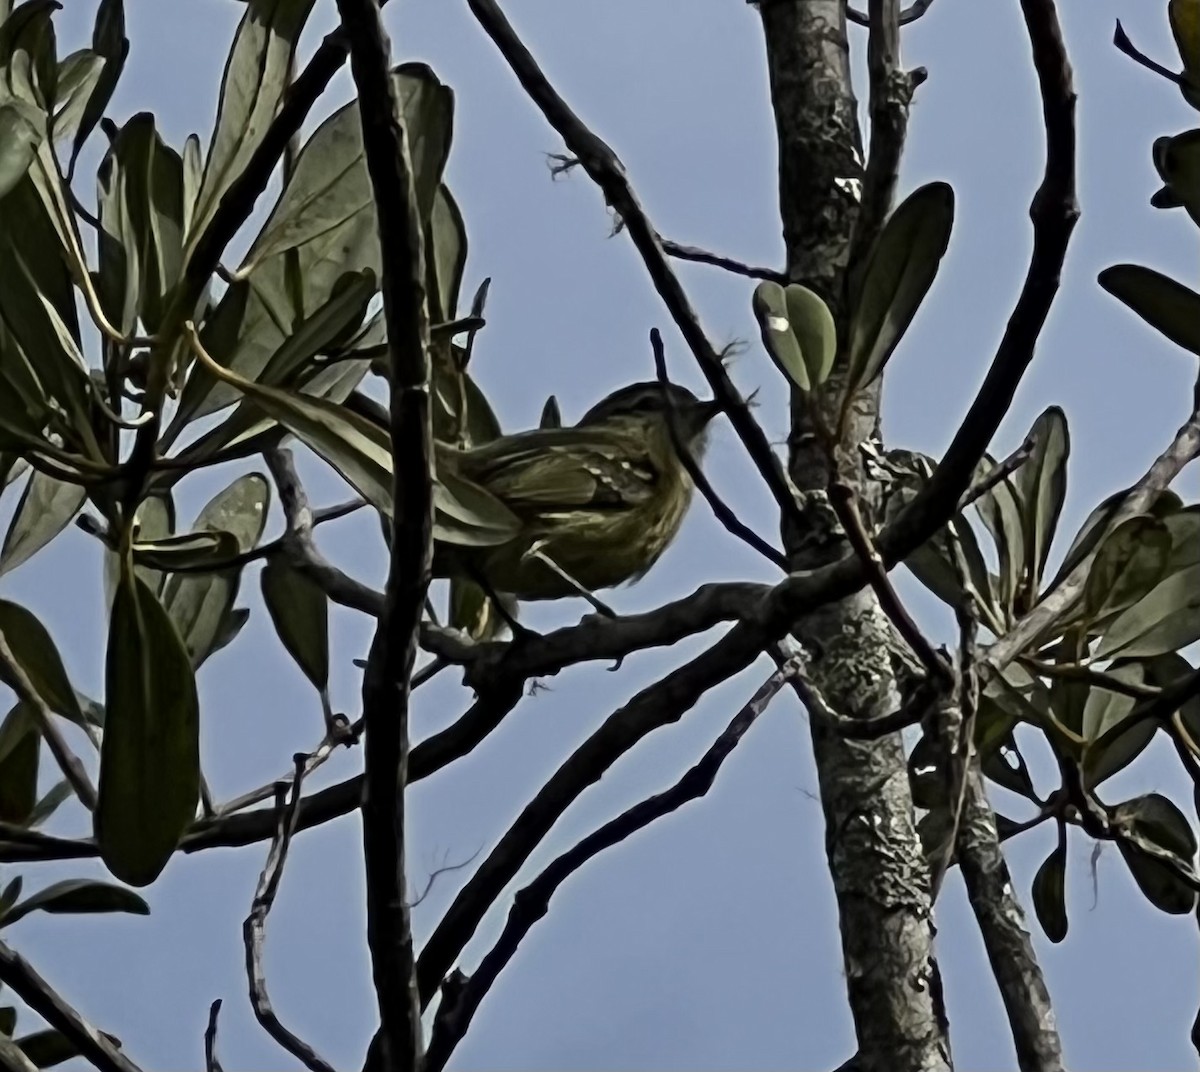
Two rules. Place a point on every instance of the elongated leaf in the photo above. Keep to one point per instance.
(49, 1048)
(1104, 710)
(1167, 306)
(551, 415)
(109, 42)
(200, 604)
(154, 520)
(57, 795)
(299, 609)
(1132, 560)
(1002, 513)
(78, 76)
(34, 651)
(46, 508)
(74, 896)
(1166, 619)
(191, 551)
(1185, 26)
(193, 175)
(1049, 894)
(1157, 820)
(255, 78)
(448, 243)
(150, 754)
(899, 272)
(1183, 527)
(20, 749)
(19, 140)
(1042, 485)
(330, 184)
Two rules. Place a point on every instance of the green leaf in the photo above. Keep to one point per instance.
(1167, 306)
(1042, 484)
(34, 651)
(8, 1019)
(232, 625)
(1104, 710)
(78, 76)
(191, 551)
(1166, 619)
(899, 271)
(1049, 893)
(1002, 514)
(150, 753)
(300, 610)
(1166, 670)
(1130, 561)
(447, 239)
(76, 896)
(200, 604)
(551, 416)
(19, 141)
(20, 749)
(108, 41)
(192, 160)
(46, 508)
(798, 332)
(49, 1048)
(153, 521)
(9, 895)
(330, 185)
(1178, 162)
(255, 79)
(56, 795)
(1184, 529)
(1157, 820)
(1185, 26)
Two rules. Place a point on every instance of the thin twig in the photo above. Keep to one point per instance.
(1124, 44)
(607, 172)
(721, 510)
(996, 474)
(909, 15)
(531, 904)
(211, 1062)
(254, 929)
(716, 260)
(13, 673)
(93, 1046)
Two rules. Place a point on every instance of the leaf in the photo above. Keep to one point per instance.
(20, 750)
(77, 896)
(108, 41)
(150, 753)
(551, 417)
(1042, 484)
(299, 609)
(1002, 513)
(19, 141)
(1049, 893)
(78, 76)
(46, 508)
(8, 1019)
(200, 603)
(153, 520)
(330, 185)
(1178, 162)
(1166, 670)
(231, 626)
(1104, 710)
(252, 87)
(193, 174)
(49, 1048)
(798, 332)
(34, 651)
(191, 551)
(1131, 560)
(9, 895)
(1185, 26)
(1158, 821)
(1165, 619)
(1167, 306)
(447, 239)
(56, 795)
(899, 271)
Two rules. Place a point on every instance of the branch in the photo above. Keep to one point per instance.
(910, 14)
(998, 473)
(387, 682)
(14, 675)
(211, 1062)
(1054, 212)
(607, 172)
(254, 929)
(703, 256)
(95, 1047)
(1121, 40)
(720, 510)
(531, 904)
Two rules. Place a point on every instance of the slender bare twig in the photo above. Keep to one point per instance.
(94, 1046)
(254, 929)
(211, 1061)
(999, 472)
(1125, 45)
(909, 15)
(1098, 678)
(531, 904)
(607, 172)
(387, 682)
(13, 673)
(721, 510)
(716, 260)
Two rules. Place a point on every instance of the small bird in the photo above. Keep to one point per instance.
(598, 502)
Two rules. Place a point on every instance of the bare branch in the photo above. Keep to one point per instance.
(13, 674)
(703, 256)
(94, 1046)
(254, 929)
(387, 682)
(607, 172)
(721, 511)
(999, 472)
(531, 904)
(909, 15)
(211, 1062)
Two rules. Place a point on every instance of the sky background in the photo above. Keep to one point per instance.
(709, 941)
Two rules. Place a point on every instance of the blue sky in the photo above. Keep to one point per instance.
(709, 941)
